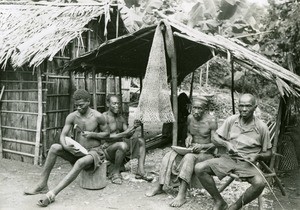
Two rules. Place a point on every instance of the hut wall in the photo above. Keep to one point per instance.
(19, 107)
(19, 111)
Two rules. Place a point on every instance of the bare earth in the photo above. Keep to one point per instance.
(15, 177)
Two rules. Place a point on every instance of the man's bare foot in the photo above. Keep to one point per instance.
(156, 191)
(37, 190)
(178, 201)
(220, 205)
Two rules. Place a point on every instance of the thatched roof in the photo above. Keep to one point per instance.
(30, 33)
(128, 56)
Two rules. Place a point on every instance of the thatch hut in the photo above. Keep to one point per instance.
(37, 39)
(128, 56)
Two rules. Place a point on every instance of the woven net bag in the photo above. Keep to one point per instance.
(154, 103)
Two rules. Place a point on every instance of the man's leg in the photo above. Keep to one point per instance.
(180, 199)
(186, 169)
(158, 189)
(204, 174)
(142, 157)
(71, 176)
(257, 186)
(55, 150)
(117, 152)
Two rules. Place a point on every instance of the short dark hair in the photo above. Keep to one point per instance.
(108, 97)
(81, 94)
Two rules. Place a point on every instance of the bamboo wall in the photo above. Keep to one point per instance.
(19, 110)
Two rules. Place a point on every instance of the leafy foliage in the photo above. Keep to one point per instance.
(282, 44)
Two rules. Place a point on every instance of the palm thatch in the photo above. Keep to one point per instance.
(32, 33)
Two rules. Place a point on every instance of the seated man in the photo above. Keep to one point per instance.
(120, 143)
(247, 140)
(93, 128)
(200, 126)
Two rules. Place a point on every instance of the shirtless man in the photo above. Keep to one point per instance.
(247, 140)
(120, 144)
(201, 127)
(93, 128)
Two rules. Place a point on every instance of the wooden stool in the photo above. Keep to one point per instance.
(94, 180)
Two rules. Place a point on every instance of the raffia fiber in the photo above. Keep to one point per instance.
(154, 104)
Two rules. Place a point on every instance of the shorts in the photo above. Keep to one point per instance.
(98, 156)
(133, 152)
(225, 165)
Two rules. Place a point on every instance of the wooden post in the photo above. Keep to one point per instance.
(94, 89)
(171, 51)
(141, 87)
(277, 132)
(120, 93)
(72, 78)
(232, 86)
(39, 117)
(192, 85)
(1, 94)
(86, 80)
(207, 71)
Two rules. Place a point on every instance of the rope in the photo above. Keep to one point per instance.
(264, 179)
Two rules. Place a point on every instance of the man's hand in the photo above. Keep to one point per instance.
(87, 134)
(70, 148)
(253, 157)
(230, 148)
(197, 148)
(188, 141)
(137, 123)
(130, 132)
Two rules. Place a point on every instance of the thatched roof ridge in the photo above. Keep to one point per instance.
(127, 56)
(253, 60)
(32, 33)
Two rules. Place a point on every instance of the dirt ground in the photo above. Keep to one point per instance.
(15, 177)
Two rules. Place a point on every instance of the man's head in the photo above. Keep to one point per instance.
(113, 103)
(199, 106)
(247, 105)
(81, 100)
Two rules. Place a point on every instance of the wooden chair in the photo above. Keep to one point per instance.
(267, 171)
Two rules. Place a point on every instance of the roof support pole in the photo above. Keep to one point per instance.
(171, 51)
(72, 77)
(141, 87)
(94, 88)
(232, 85)
(192, 85)
(277, 131)
(120, 78)
(39, 117)
(1, 94)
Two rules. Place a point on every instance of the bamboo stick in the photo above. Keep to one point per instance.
(19, 141)
(1, 147)
(277, 132)
(18, 112)
(94, 88)
(18, 153)
(232, 86)
(39, 118)
(192, 85)
(21, 101)
(72, 78)
(20, 129)
(142, 125)
(27, 90)
(45, 120)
